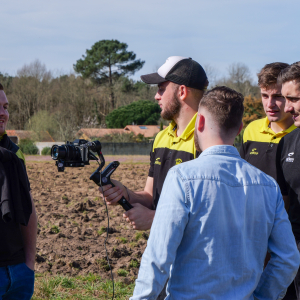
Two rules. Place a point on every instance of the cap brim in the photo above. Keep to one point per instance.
(153, 78)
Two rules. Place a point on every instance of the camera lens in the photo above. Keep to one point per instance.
(58, 152)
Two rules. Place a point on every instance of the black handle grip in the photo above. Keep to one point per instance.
(105, 180)
(125, 204)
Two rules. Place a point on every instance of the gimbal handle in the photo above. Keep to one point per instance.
(104, 179)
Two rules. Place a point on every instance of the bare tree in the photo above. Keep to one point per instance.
(36, 70)
(239, 78)
(212, 74)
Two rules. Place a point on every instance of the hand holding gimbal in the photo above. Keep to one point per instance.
(103, 178)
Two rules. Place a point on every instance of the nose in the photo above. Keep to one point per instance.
(288, 106)
(271, 102)
(2, 111)
(157, 96)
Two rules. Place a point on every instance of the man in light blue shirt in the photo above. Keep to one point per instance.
(216, 218)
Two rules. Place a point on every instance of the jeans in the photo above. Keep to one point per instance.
(16, 282)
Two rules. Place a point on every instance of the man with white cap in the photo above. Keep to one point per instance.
(181, 84)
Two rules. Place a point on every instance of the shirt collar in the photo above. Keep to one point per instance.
(265, 128)
(187, 131)
(220, 149)
(1, 136)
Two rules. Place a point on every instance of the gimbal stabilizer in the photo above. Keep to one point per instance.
(103, 178)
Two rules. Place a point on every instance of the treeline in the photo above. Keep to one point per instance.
(61, 105)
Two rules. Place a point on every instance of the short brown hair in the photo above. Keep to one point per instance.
(226, 107)
(1, 87)
(269, 74)
(197, 94)
(291, 73)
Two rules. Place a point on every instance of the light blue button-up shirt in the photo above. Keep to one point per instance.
(216, 218)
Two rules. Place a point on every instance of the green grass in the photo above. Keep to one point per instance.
(87, 287)
(55, 229)
(101, 230)
(122, 272)
(134, 264)
(123, 240)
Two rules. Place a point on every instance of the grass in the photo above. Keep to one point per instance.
(123, 240)
(141, 235)
(134, 264)
(101, 230)
(87, 287)
(55, 229)
(122, 272)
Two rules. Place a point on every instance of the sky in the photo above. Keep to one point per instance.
(213, 32)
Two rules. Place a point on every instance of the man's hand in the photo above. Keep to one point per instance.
(113, 194)
(140, 217)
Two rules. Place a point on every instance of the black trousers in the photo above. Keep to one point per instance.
(293, 291)
(163, 293)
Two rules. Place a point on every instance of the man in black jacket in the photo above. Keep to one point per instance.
(18, 227)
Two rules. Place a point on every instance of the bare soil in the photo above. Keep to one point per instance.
(73, 222)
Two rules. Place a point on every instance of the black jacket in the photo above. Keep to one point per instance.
(15, 202)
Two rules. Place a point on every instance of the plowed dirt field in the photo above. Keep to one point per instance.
(73, 222)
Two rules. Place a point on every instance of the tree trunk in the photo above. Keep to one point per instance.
(111, 94)
(112, 98)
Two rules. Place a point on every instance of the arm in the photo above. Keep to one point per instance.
(113, 194)
(29, 234)
(167, 230)
(285, 259)
(141, 215)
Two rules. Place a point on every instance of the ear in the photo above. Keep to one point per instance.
(201, 122)
(183, 92)
(240, 129)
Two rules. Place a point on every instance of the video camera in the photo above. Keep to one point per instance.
(75, 154)
(78, 154)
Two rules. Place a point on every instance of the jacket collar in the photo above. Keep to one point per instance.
(190, 128)
(220, 150)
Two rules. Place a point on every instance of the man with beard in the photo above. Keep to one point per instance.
(216, 218)
(288, 155)
(181, 83)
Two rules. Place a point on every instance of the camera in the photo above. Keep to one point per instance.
(78, 154)
(75, 154)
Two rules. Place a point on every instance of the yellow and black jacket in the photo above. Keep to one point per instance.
(260, 144)
(169, 150)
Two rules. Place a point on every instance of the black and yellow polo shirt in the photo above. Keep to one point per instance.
(260, 144)
(168, 151)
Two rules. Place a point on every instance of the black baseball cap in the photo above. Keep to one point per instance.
(180, 70)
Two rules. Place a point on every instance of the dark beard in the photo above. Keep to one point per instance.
(196, 141)
(172, 109)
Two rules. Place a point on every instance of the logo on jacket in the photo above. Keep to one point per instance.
(178, 161)
(290, 159)
(254, 151)
(157, 162)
